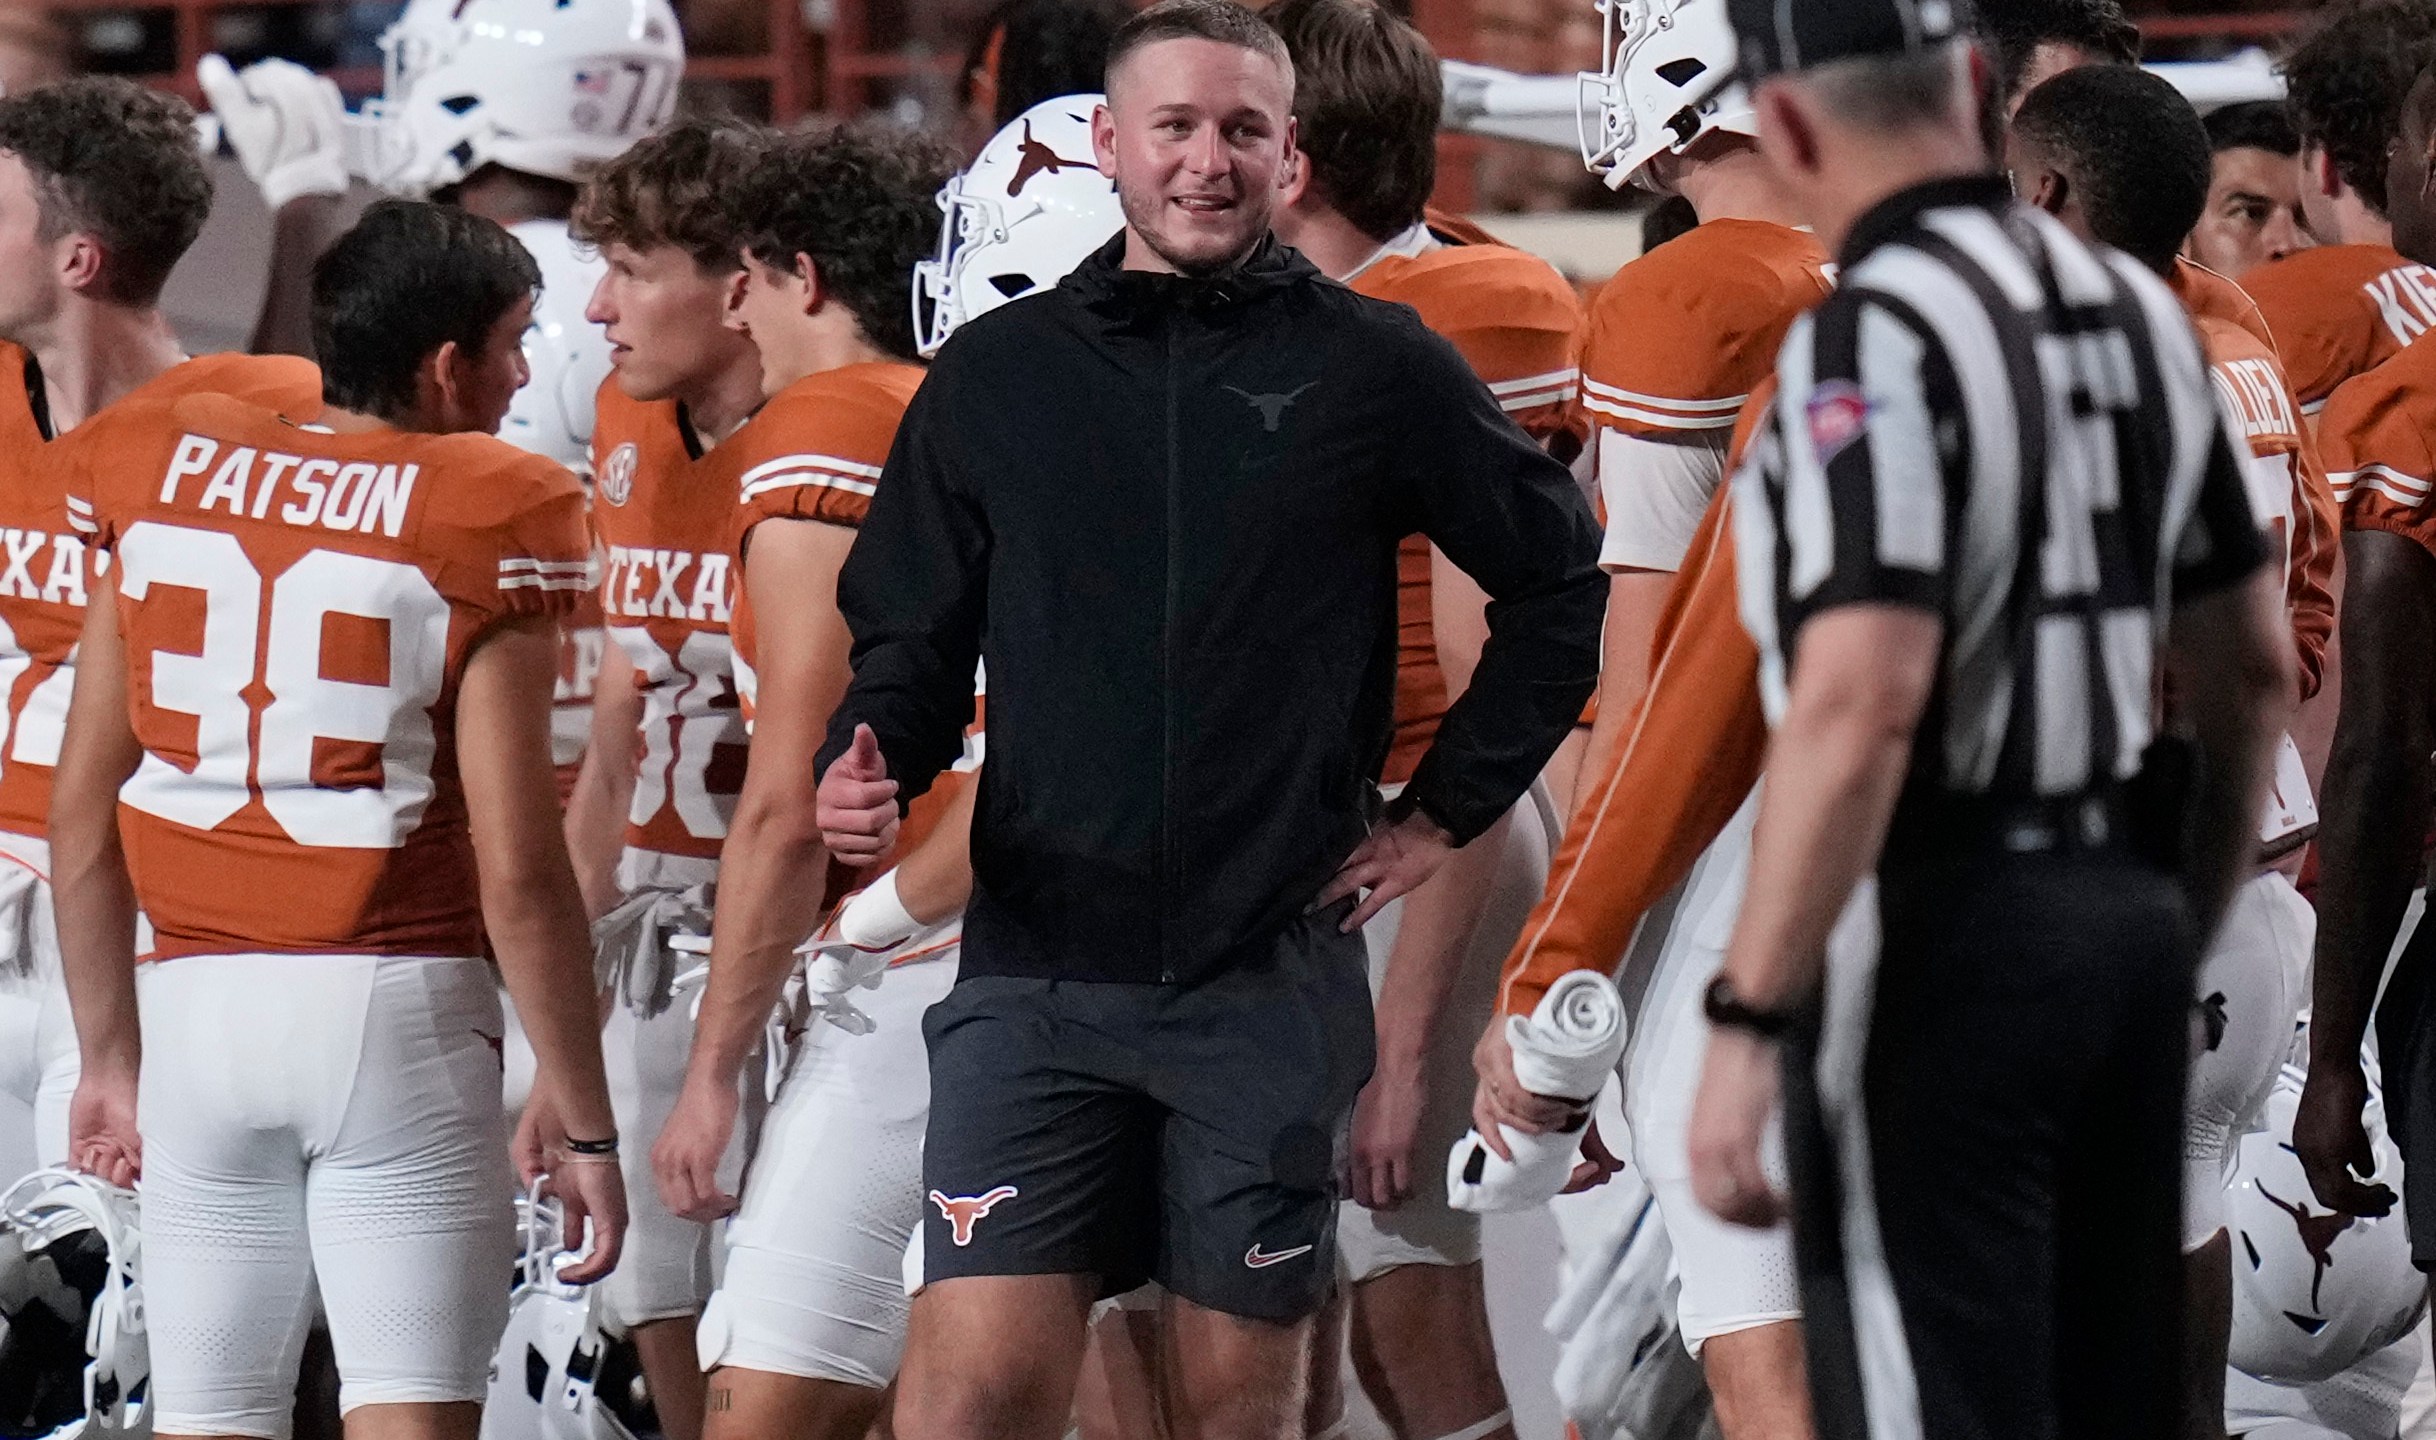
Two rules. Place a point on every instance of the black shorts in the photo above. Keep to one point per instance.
(1185, 1134)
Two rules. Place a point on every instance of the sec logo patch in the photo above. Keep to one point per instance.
(1839, 415)
(617, 474)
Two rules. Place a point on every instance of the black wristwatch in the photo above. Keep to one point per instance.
(1729, 1011)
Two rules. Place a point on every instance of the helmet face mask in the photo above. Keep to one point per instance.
(74, 1358)
(533, 85)
(1031, 206)
(1669, 79)
(558, 1374)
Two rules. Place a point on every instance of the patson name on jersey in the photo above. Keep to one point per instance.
(355, 496)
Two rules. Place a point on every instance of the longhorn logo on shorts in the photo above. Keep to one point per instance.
(963, 1212)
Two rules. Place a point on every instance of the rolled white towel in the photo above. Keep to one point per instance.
(1566, 1050)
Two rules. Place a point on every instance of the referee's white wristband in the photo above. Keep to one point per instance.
(877, 918)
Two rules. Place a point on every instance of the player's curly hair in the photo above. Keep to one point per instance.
(1367, 92)
(672, 189)
(2012, 31)
(2347, 79)
(118, 161)
(408, 278)
(861, 200)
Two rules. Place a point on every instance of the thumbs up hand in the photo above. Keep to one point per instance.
(858, 803)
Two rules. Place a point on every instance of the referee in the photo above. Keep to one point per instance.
(1995, 475)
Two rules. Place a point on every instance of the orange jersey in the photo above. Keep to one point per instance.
(2288, 486)
(1679, 338)
(665, 511)
(1693, 747)
(1516, 320)
(42, 591)
(2340, 310)
(2379, 438)
(2211, 296)
(838, 426)
(1676, 343)
(298, 607)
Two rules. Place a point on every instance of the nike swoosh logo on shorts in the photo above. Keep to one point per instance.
(1257, 1259)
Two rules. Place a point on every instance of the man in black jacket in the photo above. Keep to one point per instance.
(1171, 490)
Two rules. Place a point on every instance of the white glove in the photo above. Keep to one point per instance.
(287, 125)
(871, 929)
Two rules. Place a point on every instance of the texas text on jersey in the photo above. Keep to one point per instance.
(298, 607)
(1515, 319)
(663, 507)
(42, 589)
(2340, 310)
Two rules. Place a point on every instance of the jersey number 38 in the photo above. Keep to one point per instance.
(259, 697)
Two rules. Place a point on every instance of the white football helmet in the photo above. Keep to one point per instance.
(550, 87)
(567, 354)
(556, 1369)
(1027, 211)
(75, 1363)
(1669, 79)
(2314, 1291)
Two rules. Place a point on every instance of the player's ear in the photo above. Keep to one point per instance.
(1787, 137)
(79, 259)
(2044, 187)
(2319, 162)
(807, 272)
(1103, 139)
(731, 300)
(442, 383)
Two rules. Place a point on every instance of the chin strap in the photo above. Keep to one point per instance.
(1503, 1419)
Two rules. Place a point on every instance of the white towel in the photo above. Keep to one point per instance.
(1622, 1370)
(1566, 1050)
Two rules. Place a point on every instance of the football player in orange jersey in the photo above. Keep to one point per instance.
(2119, 156)
(101, 192)
(1366, 103)
(809, 1320)
(1676, 343)
(2344, 306)
(2380, 439)
(2254, 191)
(666, 755)
(311, 739)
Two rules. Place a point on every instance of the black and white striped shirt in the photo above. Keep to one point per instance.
(1996, 422)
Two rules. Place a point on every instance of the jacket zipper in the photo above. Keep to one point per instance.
(1167, 668)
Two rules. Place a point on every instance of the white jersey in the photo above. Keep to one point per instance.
(552, 414)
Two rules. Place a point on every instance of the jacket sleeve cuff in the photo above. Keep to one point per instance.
(1455, 823)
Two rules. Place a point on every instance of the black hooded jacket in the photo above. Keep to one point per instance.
(1172, 507)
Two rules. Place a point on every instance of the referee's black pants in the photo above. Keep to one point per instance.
(1985, 1142)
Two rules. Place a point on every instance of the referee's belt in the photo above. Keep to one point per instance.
(1980, 826)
